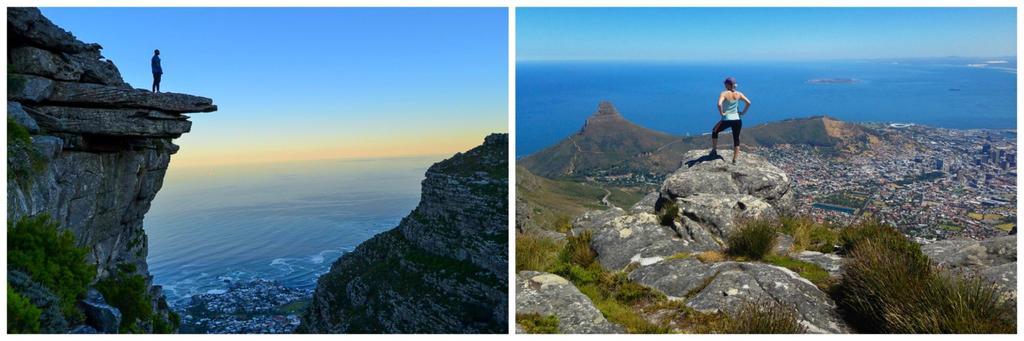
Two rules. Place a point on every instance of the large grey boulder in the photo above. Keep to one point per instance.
(592, 220)
(647, 204)
(100, 315)
(726, 286)
(548, 294)
(715, 174)
(720, 213)
(994, 259)
(640, 238)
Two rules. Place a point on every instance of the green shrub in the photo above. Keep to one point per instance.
(535, 252)
(22, 316)
(165, 326)
(577, 250)
(128, 292)
(810, 271)
(822, 238)
(51, 258)
(16, 133)
(752, 240)
(535, 324)
(762, 317)
(878, 233)
(809, 235)
(889, 286)
(562, 224)
(954, 304)
(23, 160)
(667, 215)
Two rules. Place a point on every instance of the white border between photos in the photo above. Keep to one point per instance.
(512, 137)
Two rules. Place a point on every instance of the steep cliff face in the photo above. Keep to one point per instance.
(442, 270)
(97, 150)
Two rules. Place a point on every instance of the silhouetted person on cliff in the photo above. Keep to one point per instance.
(157, 70)
(728, 109)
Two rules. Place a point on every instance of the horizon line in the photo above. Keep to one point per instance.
(347, 159)
(684, 60)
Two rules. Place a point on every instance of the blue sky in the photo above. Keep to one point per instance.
(315, 83)
(702, 34)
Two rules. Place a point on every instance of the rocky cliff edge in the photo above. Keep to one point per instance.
(97, 150)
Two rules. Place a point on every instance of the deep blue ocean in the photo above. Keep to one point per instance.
(211, 226)
(553, 99)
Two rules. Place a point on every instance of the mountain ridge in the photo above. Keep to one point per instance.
(610, 144)
(443, 269)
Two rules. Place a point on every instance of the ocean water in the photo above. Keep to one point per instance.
(288, 222)
(553, 99)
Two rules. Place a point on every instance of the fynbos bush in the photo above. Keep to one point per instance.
(889, 286)
(762, 317)
(752, 240)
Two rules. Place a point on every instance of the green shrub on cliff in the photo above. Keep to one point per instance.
(128, 292)
(23, 160)
(889, 286)
(761, 317)
(22, 316)
(16, 133)
(536, 324)
(878, 233)
(809, 235)
(51, 258)
(752, 240)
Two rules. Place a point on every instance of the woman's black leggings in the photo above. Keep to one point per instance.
(734, 125)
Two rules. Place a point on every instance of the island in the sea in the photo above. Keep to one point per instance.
(833, 81)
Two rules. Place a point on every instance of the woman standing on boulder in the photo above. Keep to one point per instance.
(728, 108)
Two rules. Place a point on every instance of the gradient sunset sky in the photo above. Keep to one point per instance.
(315, 83)
(760, 34)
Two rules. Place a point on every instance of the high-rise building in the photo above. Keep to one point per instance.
(938, 164)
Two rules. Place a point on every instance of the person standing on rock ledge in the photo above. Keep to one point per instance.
(157, 70)
(728, 108)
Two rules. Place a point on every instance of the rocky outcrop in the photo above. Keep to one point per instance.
(98, 148)
(548, 294)
(712, 193)
(696, 209)
(704, 172)
(725, 286)
(993, 259)
(442, 270)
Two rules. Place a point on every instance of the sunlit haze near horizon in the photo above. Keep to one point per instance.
(297, 84)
